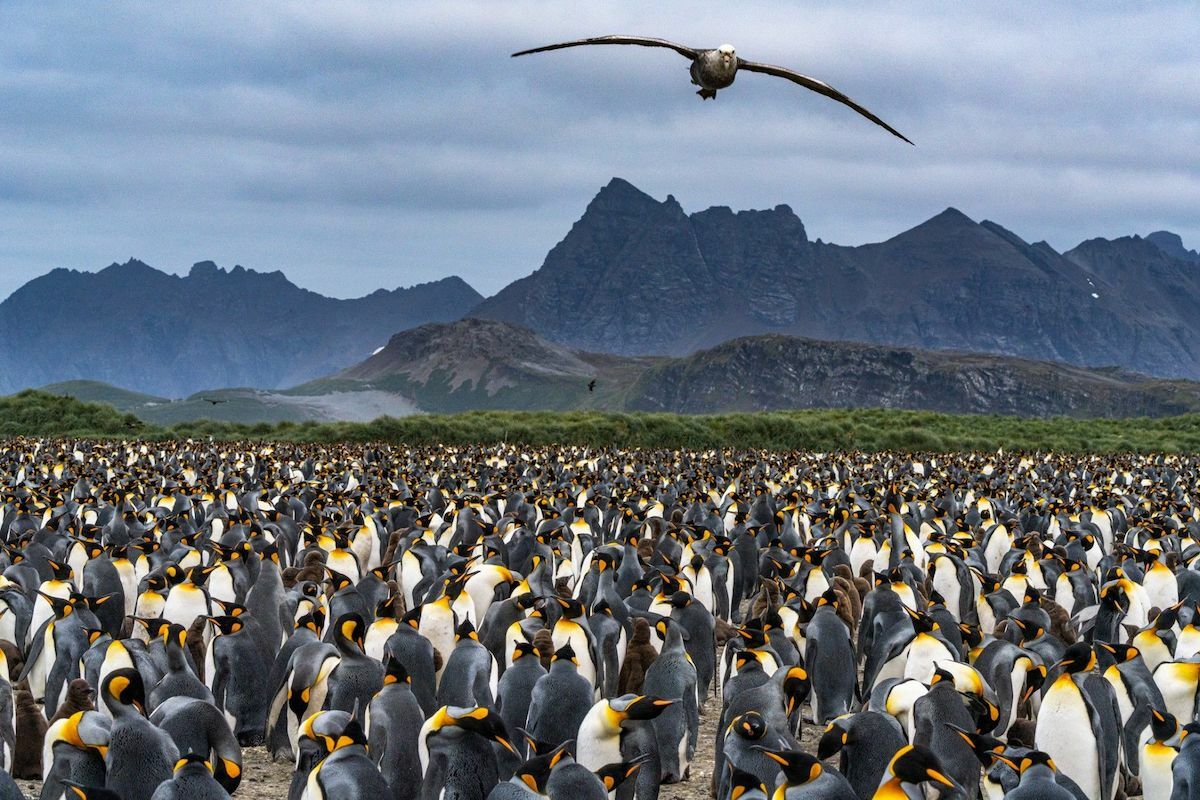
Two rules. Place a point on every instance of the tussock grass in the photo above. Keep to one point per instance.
(34, 413)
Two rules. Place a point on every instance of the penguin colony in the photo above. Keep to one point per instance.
(517, 624)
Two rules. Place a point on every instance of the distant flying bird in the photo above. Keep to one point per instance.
(592, 385)
(214, 402)
(716, 69)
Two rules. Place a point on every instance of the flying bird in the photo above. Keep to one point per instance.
(214, 402)
(592, 385)
(715, 69)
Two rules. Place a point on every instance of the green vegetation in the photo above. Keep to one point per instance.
(34, 413)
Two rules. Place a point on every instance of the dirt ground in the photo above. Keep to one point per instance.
(264, 779)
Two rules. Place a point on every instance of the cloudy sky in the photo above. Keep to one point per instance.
(356, 144)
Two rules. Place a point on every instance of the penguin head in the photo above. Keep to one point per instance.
(1034, 758)
(412, 618)
(481, 721)
(829, 597)
(972, 636)
(1035, 679)
(350, 630)
(1163, 724)
(321, 730)
(833, 739)
(566, 653)
(80, 694)
(466, 631)
(798, 768)
(337, 580)
(386, 608)
(750, 725)
(394, 671)
(350, 735)
(61, 608)
(230, 609)
(194, 762)
(941, 675)
(915, 764)
(314, 621)
(922, 623)
(983, 746)
(122, 690)
(61, 572)
(174, 635)
(1079, 657)
(78, 791)
(535, 773)
(613, 775)
(154, 582)
(1029, 630)
(226, 625)
(638, 707)
(572, 608)
(522, 649)
(198, 575)
(796, 686)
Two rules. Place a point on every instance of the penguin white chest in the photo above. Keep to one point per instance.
(1064, 732)
(1157, 779)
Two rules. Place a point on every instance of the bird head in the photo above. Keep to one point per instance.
(726, 53)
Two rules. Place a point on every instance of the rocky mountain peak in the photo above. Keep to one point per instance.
(1172, 245)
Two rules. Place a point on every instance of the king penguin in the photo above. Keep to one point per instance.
(394, 719)
(140, 756)
(560, 700)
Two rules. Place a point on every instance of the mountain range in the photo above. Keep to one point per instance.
(710, 311)
(639, 276)
(137, 327)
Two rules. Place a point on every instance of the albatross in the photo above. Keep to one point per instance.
(716, 68)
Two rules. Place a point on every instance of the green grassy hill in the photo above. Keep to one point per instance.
(34, 413)
(106, 393)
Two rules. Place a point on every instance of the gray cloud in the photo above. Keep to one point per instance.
(358, 145)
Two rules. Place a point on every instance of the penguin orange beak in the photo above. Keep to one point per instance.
(939, 778)
(1005, 760)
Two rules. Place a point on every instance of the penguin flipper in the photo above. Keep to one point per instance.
(34, 651)
(1096, 691)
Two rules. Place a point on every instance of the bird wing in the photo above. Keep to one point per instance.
(820, 87)
(644, 41)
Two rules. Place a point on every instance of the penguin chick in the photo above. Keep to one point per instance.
(30, 727)
(639, 655)
(80, 697)
(543, 642)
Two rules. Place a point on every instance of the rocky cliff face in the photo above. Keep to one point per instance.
(134, 326)
(635, 275)
(779, 372)
(484, 364)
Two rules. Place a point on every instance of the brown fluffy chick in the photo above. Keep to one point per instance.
(639, 655)
(80, 697)
(30, 727)
(543, 642)
(313, 569)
